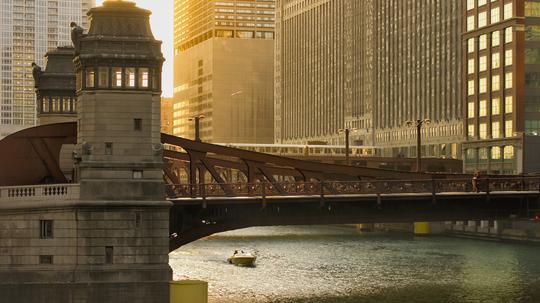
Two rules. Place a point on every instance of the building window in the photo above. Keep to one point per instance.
(109, 255)
(482, 85)
(155, 79)
(482, 42)
(495, 15)
(137, 124)
(508, 105)
(103, 77)
(495, 38)
(496, 130)
(482, 19)
(470, 69)
(470, 154)
(508, 152)
(46, 229)
(470, 110)
(508, 81)
(56, 104)
(482, 108)
(470, 90)
(90, 75)
(108, 148)
(482, 2)
(495, 60)
(116, 76)
(482, 63)
(138, 219)
(471, 131)
(470, 4)
(482, 131)
(470, 23)
(495, 106)
(483, 154)
(532, 9)
(508, 129)
(470, 45)
(508, 57)
(496, 153)
(45, 259)
(143, 78)
(508, 10)
(130, 77)
(137, 174)
(495, 83)
(508, 35)
(46, 104)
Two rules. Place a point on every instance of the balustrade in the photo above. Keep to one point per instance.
(376, 187)
(40, 192)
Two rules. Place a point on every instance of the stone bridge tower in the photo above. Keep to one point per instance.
(118, 67)
(120, 168)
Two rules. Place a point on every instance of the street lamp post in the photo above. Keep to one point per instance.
(197, 120)
(418, 124)
(347, 132)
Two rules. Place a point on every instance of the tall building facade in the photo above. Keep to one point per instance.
(501, 85)
(223, 69)
(28, 29)
(323, 69)
(370, 66)
(417, 76)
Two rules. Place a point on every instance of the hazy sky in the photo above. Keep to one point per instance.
(162, 26)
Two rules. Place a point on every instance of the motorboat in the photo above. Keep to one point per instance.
(242, 259)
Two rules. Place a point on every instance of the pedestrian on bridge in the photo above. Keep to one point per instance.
(474, 182)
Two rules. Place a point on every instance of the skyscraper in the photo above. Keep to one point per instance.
(369, 66)
(223, 69)
(501, 85)
(323, 69)
(28, 30)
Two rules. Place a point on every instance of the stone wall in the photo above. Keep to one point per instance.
(98, 252)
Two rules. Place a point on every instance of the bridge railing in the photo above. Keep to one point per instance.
(40, 192)
(379, 187)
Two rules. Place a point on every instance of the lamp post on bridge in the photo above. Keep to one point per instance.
(197, 120)
(418, 124)
(347, 132)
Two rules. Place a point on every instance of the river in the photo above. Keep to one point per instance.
(335, 264)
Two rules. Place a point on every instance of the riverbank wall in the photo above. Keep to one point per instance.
(506, 230)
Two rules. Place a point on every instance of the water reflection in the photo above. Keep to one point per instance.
(335, 264)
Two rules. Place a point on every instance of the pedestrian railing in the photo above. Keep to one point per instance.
(40, 192)
(376, 187)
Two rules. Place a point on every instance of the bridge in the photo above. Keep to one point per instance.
(90, 210)
(216, 188)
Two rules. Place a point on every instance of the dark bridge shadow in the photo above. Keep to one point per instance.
(193, 219)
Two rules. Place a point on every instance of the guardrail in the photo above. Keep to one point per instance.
(40, 192)
(432, 186)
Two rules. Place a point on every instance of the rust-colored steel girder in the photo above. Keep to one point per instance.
(260, 164)
(31, 156)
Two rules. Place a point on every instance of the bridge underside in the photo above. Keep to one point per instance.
(190, 220)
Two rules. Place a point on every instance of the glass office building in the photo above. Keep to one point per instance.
(28, 29)
(223, 69)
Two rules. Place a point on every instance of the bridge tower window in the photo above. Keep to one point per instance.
(103, 77)
(137, 124)
(109, 255)
(46, 229)
(116, 77)
(45, 259)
